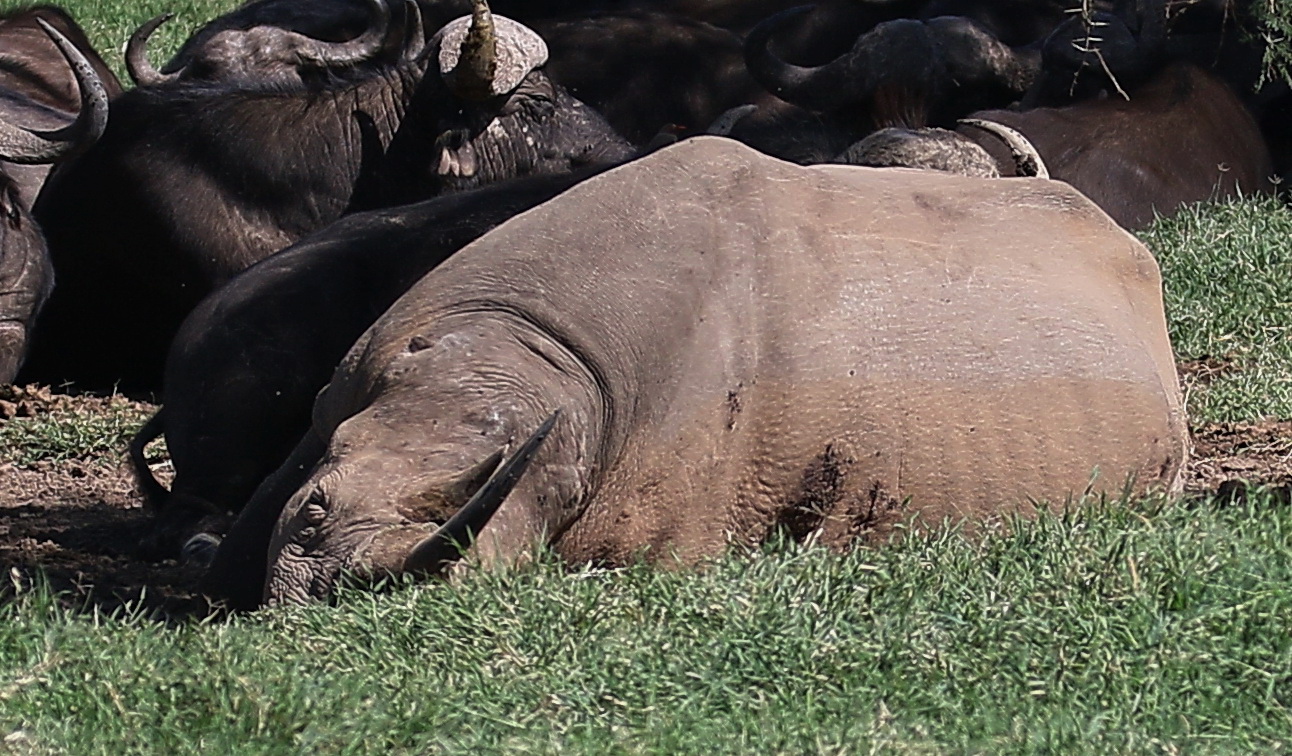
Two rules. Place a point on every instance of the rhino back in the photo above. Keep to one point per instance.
(827, 348)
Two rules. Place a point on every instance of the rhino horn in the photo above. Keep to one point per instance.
(447, 543)
(141, 71)
(19, 145)
(1026, 157)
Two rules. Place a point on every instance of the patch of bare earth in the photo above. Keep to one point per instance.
(79, 522)
(1229, 457)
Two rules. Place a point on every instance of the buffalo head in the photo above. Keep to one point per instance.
(273, 53)
(502, 116)
(902, 72)
(26, 275)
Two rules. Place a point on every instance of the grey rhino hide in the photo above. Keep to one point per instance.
(740, 344)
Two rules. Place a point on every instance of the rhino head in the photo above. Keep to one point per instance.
(363, 513)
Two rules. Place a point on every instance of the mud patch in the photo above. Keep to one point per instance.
(1205, 370)
(822, 488)
(79, 526)
(734, 405)
(77, 523)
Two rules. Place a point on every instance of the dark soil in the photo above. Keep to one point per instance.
(78, 523)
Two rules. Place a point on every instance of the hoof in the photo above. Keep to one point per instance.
(199, 550)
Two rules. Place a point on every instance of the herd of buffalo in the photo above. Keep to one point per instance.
(617, 278)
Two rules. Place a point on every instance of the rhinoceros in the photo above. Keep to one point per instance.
(736, 346)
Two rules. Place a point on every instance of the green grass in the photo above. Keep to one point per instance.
(1124, 628)
(1143, 629)
(109, 23)
(1276, 30)
(1227, 273)
(89, 433)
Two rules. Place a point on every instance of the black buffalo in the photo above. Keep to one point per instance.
(1145, 135)
(643, 70)
(193, 182)
(902, 72)
(38, 126)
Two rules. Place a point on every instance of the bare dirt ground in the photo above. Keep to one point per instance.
(78, 522)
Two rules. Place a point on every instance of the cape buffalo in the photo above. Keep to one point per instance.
(41, 88)
(193, 182)
(247, 363)
(35, 131)
(903, 72)
(32, 65)
(1182, 137)
(735, 345)
(643, 70)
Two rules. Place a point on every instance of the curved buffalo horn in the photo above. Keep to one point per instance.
(19, 145)
(786, 80)
(415, 37)
(445, 544)
(141, 71)
(472, 78)
(373, 42)
(855, 75)
(726, 122)
(1026, 157)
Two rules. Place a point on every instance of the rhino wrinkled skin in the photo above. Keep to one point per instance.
(739, 344)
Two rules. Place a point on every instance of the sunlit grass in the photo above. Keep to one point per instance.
(1227, 273)
(1114, 629)
(109, 23)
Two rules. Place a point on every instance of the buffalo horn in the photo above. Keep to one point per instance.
(852, 77)
(798, 84)
(141, 71)
(19, 145)
(1026, 157)
(415, 39)
(472, 78)
(446, 544)
(373, 42)
(725, 123)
